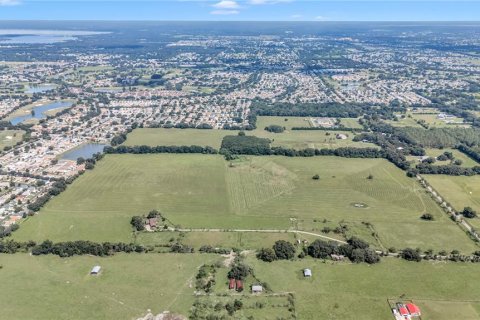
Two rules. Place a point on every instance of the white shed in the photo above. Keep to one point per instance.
(307, 272)
(257, 288)
(95, 270)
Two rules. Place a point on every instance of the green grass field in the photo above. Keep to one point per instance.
(430, 119)
(50, 287)
(10, 137)
(443, 291)
(459, 191)
(204, 191)
(297, 139)
(467, 162)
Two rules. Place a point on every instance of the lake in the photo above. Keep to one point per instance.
(40, 110)
(29, 36)
(39, 88)
(85, 151)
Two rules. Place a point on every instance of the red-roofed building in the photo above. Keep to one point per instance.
(231, 284)
(413, 309)
(403, 311)
(239, 284)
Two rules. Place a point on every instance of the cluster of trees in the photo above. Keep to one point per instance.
(56, 188)
(333, 110)
(181, 248)
(443, 137)
(275, 128)
(243, 144)
(472, 153)
(81, 247)
(452, 170)
(159, 149)
(118, 139)
(281, 250)
(210, 249)
(468, 212)
(356, 250)
(7, 231)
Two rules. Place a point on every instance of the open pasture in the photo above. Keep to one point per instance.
(459, 191)
(10, 137)
(205, 191)
(49, 287)
(296, 139)
(443, 291)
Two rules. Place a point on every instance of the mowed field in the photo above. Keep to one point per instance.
(296, 139)
(467, 162)
(10, 137)
(443, 291)
(205, 191)
(459, 191)
(49, 287)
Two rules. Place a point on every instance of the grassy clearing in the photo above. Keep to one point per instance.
(351, 123)
(345, 291)
(459, 191)
(240, 240)
(179, 137)
(296, 139)
(200, 191)
(430, 118)
(49, 287)
(10, 137)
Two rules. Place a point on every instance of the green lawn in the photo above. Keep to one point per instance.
(297, 139)
(179, 137)
(360, 291)
(10, 137)
(459, 191)
(204, 191)
(49, 287)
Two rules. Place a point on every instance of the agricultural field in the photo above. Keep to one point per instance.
(10, 137)
(49, 287)
(443, 291)
(459, 191)
(296, 139)
(411, 118)
(205, 191)
(178, 137)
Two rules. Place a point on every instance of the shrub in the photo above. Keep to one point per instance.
(410, 254)
(284, 250)
(427, 216)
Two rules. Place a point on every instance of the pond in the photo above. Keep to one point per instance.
(39, 88)
(40, 110)
(85, 151)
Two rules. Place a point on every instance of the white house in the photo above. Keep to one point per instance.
(307, 272)
(257, 288)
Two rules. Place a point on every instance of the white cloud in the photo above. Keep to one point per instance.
(9, 2)
(226, 4)
(321, 18)
(224, 12)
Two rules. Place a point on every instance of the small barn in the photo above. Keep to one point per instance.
(231, 284)
(239, 285)
(256, 288)
(95, 270)
(413, 309)
(307, 272)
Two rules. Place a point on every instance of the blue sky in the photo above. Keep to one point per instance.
(264, 10)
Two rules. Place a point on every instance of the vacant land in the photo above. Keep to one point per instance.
(459, 191)
(10, 137)
(431, 119)
(176, 137)
(296, 139)
(201, 191)
(360, 291)
(49, 287)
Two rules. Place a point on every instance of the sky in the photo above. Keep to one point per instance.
(242, 10)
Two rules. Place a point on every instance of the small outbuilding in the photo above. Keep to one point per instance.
(95, 270)
(413, 309)
(231, 284)
(256, 288)
(307, 272)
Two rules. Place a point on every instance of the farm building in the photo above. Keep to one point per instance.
(307, 272)
(231, 284)
(413, 309)
(257, 288)
(95, 270)
(239, 285)
(341, 136)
